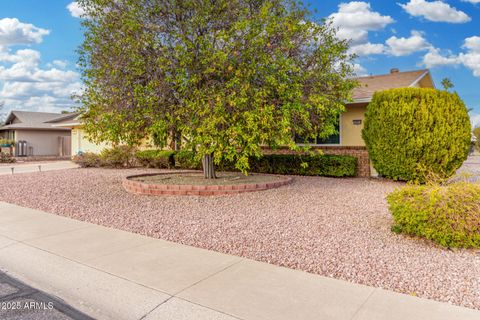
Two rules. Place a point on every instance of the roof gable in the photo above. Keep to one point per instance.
(371, 84)
(64, 117)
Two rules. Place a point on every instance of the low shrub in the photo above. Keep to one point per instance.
(87, 160)
(447, 214)
(186, 160)
(305, 165)
(160, 159)
(7, 158)
(118, 157)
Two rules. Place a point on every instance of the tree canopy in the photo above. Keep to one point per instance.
(447, 84)
(224, 77)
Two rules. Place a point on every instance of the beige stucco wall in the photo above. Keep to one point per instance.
(43, 142)
(81, 143)
(351, 134)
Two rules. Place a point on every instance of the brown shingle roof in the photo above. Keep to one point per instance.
(369, 85)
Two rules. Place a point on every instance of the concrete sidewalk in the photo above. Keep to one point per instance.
(36, 167)
(112, 274)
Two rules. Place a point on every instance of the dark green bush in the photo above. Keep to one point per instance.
(413, 132)
(88, 160)
(448, 215)
(161, 159)
(118, 157)
(305, 165)
(186, 160)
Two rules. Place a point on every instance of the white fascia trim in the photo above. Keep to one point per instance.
(72, 124)
(414, 83)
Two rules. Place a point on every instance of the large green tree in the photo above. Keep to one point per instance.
(224, 77)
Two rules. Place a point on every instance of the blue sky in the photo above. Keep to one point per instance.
(38, 40)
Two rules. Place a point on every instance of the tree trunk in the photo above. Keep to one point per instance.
(208, 166)
(178, 141)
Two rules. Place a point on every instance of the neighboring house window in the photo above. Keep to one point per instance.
(333, 139)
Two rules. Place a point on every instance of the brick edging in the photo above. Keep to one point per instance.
(138, 187)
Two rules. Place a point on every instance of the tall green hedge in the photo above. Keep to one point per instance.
(411, 133)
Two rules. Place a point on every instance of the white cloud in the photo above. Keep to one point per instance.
(470, 58)
(14, 32)
(437, 11)
(25, 68)
(406, 46)
(75, 9)
(368, 48)
(355, 19)
(359, 70)
(472, 1)
(24, 84)
(472, 43)
(475, 119)
(434, 58)
(62, 64)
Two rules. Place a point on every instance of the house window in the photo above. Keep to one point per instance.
(332, 139)
(11, 135)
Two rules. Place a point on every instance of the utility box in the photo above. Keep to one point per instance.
(21, 149)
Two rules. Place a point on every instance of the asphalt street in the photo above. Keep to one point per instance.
(20, 301)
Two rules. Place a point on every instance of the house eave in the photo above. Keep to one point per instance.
(66, 125)
(32, 128)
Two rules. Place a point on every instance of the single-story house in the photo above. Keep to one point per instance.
(80, 142)
(348, 140)
(34, 134)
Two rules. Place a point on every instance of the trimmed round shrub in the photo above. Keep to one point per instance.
(411, 133)
(448, 215)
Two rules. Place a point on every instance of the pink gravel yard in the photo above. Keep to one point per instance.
(338, 228)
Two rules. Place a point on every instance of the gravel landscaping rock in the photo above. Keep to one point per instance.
(338, 228)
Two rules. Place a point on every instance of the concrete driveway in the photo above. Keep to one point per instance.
(471, 168)
(36, 167)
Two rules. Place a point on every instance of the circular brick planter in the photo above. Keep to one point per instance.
(139, 187)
